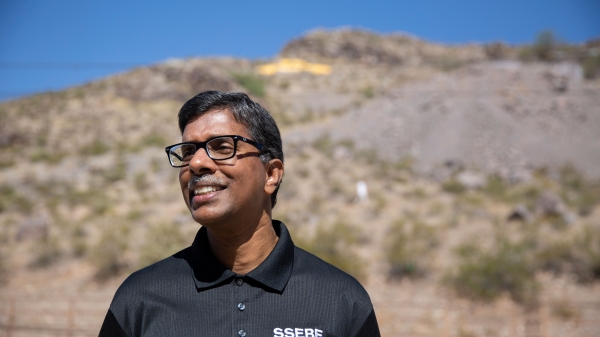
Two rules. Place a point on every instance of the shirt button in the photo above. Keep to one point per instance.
(242, 333)
(239, 282)
(241, 306)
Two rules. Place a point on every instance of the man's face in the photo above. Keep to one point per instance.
(223, 193)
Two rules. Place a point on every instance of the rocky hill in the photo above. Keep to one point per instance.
(482, 169)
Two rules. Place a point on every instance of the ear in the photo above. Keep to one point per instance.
(274, 171)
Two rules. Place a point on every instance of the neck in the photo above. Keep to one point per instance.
(245, 250)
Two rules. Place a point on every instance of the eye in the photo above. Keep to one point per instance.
(187, 151)
(221, 146)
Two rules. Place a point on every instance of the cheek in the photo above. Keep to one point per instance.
(184, 178)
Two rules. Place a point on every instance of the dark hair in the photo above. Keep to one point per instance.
(255, 118)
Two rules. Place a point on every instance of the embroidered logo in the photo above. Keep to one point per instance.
(297, 332)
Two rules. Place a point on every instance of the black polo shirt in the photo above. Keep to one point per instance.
(291, 294)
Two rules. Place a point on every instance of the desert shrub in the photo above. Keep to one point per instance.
(496, 50)
(253, 83)
(308, 116)
(154, 139)
(368, 92)
(79, 246)
(162, 240)
(107, 256)
(565, 310)
(324, 144)
(334, 244)
(140, 181)
(3, 268)
(409, 247)
(545, 45)
(454, 186)
(495, 187)
(43, 155)
(45, 253)
(97, 147)
(579, 256)
(11, 200)
(405, 164)
(116, 173)
(485, 275)
(379, 202)
(591, 67)
(578, 191)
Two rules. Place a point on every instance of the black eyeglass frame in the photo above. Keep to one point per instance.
(202, 145)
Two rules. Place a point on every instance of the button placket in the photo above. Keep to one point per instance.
(239, 297)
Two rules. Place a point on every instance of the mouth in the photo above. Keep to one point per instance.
(203, 194)
(204, 190)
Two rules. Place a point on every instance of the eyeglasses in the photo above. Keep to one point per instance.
(218, 148)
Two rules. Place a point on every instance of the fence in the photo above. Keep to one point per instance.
(55, 317)
(82, 317)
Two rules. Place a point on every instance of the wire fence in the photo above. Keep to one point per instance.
(82, 317)
(56, 318)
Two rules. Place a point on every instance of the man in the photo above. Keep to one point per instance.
(242, 276)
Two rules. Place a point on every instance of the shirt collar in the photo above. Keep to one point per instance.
(274, 272)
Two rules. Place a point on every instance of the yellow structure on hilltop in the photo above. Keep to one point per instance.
(288, 66)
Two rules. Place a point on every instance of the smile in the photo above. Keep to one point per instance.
(202, 190)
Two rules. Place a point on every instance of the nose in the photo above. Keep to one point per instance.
(201, 162)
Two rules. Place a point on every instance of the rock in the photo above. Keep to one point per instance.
(550, 204)
(520, 213)
(471, 180)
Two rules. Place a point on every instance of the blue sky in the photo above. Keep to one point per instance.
(53, 44)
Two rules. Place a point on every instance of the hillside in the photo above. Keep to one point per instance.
(482, 167)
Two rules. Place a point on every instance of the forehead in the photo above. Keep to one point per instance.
(213, 123)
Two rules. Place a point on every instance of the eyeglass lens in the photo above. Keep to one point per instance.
(218, 148)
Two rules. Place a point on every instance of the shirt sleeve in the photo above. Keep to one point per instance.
(110, 327)
(370, 328)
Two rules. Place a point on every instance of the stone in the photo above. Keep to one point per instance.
(550, 204)
(471, 180)
(520, 213)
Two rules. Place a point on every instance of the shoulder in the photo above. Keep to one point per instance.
(338, 291)
(311, 269)
(155, 279)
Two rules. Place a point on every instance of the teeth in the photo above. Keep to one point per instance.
(206, 189)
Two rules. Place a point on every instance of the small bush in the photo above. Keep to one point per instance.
(154, 140)
(118, 172)
(45, 253)
(108, 255)
(591, 67)
(495, 188)
(579, 192)
(324, 145)
(579, 256)
(368, 92)
(140, 181)
(3, 268)
(544, 46)
(454, 186)
(43, 155)
(97, 147)
(565, 310)
(161, 241)
(484, 276)
(79, 244)
(334, 245)
(253, 83)
(11, 200)
(408, 249)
